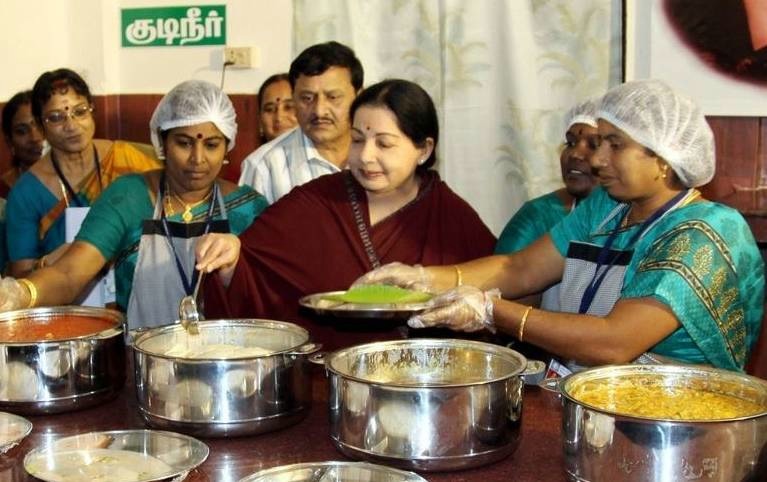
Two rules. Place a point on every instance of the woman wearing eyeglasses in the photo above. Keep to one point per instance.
(72, 175)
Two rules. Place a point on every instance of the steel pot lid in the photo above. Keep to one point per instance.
(424, 362)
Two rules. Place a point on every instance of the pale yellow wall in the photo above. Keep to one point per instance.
(39, 35)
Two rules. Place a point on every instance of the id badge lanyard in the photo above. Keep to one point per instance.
(604, 266)
(188, 284)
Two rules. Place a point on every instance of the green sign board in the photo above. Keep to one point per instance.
(174, 26)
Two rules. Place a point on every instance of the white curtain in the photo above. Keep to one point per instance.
(501, 72)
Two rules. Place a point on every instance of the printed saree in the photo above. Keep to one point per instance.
(115, 221)
(702, 262)
(122, 158)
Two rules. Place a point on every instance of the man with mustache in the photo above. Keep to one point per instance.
(325, 79)
(537, 216)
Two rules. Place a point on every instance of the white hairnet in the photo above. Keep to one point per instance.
(582, 113)
(671, 125)
(190, 103)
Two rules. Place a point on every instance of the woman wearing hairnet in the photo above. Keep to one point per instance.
(650, 271)
(149, 224)
(537, 216)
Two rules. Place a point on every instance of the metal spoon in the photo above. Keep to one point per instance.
(187, 309)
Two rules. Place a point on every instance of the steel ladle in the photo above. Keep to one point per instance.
(188, 314)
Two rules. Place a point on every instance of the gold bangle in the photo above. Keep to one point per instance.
(521, 332)
(32, 291)
(458, 276)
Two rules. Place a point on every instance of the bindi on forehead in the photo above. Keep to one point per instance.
(199, 136)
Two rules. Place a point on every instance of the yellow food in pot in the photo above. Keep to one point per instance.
(638, 398)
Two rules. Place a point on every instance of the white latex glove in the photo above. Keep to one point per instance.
(464, 308)
(415, 277)
(11, 294)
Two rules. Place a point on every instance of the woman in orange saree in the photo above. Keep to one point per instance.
(72, 175)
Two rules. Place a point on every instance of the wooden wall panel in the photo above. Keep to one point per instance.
(741, 169)
(127, 117)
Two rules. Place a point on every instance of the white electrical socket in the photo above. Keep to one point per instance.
(238, 57)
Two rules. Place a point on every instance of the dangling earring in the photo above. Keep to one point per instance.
(665, 172)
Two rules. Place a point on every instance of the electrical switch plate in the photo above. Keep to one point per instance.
(238, 57)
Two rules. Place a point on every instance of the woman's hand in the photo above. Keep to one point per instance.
(415, 278)
(464, 308)
(218, 251)
(13, 296)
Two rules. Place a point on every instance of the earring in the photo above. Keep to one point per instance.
(422, 162)
(665, 172)
(226, 161)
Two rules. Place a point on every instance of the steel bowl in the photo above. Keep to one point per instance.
(65, 374)
(86, 456)
(426, 404)
(333, 472)
(603, 445)
(13, 429)
(217, 397)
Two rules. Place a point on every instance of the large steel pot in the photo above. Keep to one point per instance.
(426, 404)
(224, 397)
(600, 445)
(38, 377)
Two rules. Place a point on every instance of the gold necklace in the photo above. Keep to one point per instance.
(186, 215)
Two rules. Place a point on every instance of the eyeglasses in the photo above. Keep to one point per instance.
(59, 116)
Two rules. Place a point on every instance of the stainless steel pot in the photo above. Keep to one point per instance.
(61, 375)
(426, 404)
(600, 445)
(224, 397)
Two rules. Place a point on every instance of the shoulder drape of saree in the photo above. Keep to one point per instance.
(122, 158)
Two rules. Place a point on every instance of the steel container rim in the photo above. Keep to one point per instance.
(499, 350)
(573, 379)
(198, 445)
(144, 335)
(53, 311)
(286, 469)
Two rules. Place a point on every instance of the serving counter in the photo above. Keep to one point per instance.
(538, 458)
